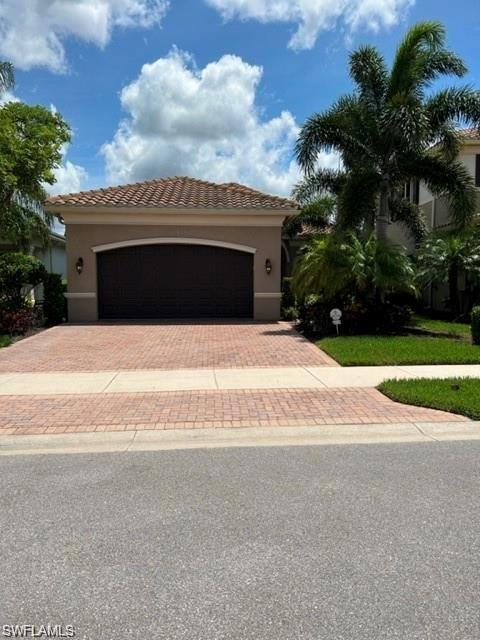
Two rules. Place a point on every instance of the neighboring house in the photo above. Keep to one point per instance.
(53, 256)
(436, 211)
(173, 248)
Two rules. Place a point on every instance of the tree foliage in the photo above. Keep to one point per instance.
(392, 130)
(31, 139)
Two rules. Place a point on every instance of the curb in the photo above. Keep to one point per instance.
(131, 441)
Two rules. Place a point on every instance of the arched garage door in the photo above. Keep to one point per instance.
(174, 281)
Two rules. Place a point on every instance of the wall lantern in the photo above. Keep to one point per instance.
(79, 265)
(268, 266)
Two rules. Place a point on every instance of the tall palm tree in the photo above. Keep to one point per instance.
(392, 130)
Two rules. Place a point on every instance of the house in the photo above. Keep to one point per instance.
(173, 248)
(53, 256)
(437, 214)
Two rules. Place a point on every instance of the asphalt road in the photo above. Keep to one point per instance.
(325, 543)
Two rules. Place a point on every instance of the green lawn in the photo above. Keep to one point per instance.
(391, 350)
(457, 395)
(5, 341)
(456, 329)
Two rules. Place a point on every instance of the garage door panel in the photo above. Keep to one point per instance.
(174, 281)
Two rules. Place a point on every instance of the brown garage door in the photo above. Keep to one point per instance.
(174, 281)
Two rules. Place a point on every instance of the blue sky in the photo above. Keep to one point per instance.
(235, 119)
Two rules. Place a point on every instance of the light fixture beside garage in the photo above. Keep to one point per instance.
(268, 266)
(79, 265)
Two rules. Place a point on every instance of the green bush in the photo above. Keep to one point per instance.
(54, 303)
(19, 273)
(476, 325)
(358, 317)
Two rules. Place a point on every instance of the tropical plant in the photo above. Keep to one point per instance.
(337, 264)
(391, 131)
(315, 216)
(443, 257)
(31, 140)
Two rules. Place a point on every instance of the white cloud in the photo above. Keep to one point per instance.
(314, 16)
(32, 31)
(70, 177)
(204, 123)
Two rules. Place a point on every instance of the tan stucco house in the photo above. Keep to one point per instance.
(173, 248)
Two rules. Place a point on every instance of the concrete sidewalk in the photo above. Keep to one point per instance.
(143, 381)
(125, 441)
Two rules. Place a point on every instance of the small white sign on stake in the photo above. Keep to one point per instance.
(336, 315)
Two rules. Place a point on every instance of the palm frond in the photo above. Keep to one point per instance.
(332, 130)
(410, 215)
(408, 66)
(453, 106)
(315, 185)
(449, 179)
(7, 76)
(316, 215)
(369, 72)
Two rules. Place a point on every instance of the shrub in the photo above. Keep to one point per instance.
(17, 321)
(358, 317)
(54, 303)
(476, 325)
(19, 273)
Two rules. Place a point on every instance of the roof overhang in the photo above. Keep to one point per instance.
(175, 216)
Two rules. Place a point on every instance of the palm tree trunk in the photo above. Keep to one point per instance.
(381, 225)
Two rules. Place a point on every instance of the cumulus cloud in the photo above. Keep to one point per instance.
(204, 123)
(314, 16)
(70, 177)
(32, 32)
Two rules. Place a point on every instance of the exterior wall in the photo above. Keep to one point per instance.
(54, 258)
(82, 289)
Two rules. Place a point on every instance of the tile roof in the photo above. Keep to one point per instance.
(470, 134)
(178, 192)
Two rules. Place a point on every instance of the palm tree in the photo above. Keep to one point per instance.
(443, 257)
(7, 76)
(336, 264)
(315, 216)
(390, 131)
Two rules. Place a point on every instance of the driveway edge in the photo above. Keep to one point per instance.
(127, 441)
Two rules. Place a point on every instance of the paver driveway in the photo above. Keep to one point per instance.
(183, 345)
(206, 409)
(162, 345)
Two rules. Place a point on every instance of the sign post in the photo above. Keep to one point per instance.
(335, 315)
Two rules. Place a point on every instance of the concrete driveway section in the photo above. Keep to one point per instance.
(162, 345)
(299, 543)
